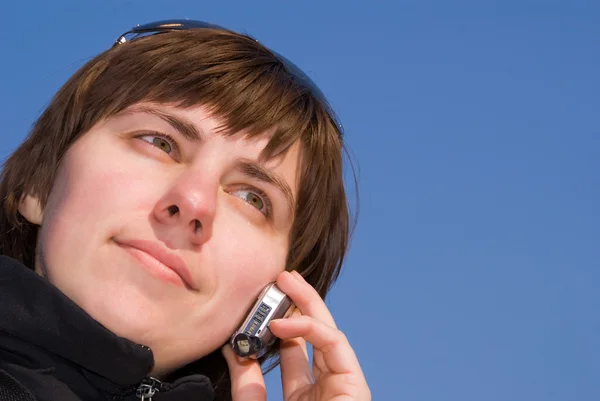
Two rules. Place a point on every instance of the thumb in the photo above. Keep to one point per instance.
(247, 380)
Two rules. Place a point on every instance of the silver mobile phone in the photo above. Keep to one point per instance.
(253, 338)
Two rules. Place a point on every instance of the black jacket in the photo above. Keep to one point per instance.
(50, 349)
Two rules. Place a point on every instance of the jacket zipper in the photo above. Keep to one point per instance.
(147, 388)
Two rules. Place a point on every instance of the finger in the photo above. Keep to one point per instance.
(338, 355)
(305, 297)
(247, 381)
(295, 366)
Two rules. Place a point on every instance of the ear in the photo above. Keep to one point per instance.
(31, 209)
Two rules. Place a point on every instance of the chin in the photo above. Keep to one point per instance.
(125, 315)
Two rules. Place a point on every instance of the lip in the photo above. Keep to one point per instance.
(164, 257)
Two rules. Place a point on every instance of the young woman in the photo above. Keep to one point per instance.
(169, 180)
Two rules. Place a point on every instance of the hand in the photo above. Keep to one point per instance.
(335, 374)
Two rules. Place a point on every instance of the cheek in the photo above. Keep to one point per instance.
(89, 199)
(250, 261)
(254, 258)
(84, 201)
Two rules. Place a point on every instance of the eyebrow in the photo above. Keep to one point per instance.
(180, 124)
(257, 171)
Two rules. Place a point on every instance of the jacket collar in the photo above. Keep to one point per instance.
(36, 312)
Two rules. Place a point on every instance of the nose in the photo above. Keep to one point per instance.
(188, 209)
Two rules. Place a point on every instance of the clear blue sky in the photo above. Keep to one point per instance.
(474, 273)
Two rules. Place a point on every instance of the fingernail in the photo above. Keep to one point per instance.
(274, 320)
(298, 276)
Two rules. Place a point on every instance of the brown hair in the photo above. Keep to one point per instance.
(245, 86)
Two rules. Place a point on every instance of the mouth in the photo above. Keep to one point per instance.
(160, 262)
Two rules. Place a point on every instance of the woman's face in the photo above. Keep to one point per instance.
(165, 231)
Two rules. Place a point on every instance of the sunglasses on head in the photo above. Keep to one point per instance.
(157, 27)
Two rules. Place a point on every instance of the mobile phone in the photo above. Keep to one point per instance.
(253, 338)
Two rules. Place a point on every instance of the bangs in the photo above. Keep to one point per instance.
(242, 84)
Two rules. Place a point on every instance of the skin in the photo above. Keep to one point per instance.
(124, 181)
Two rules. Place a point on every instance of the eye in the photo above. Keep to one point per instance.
(164, 142)
(256, 198)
